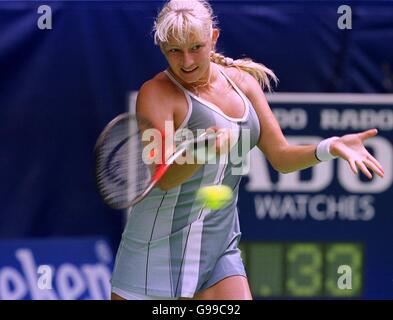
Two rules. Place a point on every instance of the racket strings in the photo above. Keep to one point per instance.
(121, 173)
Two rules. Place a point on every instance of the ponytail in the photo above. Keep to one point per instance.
(260, 72)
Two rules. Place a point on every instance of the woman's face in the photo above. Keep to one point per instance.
(190, 61)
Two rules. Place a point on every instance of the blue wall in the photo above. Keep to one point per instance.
(59, 87)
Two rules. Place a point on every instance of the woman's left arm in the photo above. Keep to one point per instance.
(287, 158)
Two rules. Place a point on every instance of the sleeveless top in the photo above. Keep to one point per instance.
(171, 242)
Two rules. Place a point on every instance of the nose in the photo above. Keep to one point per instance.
(188, 60)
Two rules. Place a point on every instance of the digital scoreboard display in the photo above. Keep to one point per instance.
(322, 232)
(304, 269)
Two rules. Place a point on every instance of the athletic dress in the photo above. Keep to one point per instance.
(172, 246)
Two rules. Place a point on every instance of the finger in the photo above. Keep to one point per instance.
(353, 166)
(373, 167)
(376, 162)
(364, 169)
(368, 134)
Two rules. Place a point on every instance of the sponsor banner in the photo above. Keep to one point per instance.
(52, 269)
(327, 202)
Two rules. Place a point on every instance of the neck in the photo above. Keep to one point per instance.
(202, 83)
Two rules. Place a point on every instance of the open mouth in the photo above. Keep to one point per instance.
(189, 71)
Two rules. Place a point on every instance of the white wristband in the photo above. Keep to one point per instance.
(322, 152)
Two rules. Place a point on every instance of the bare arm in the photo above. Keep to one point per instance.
(281, 155)
(287, 158)
(153, 104)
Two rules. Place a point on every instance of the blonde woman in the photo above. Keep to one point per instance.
(172, 247)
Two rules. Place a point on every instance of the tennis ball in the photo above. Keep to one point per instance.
(215, 197)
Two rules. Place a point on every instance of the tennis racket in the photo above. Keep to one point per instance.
(123, 175)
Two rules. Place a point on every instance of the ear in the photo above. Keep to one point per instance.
(215, 35)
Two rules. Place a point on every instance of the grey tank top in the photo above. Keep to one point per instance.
(172, 241)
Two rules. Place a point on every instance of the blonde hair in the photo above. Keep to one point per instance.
(180, 18)
(260, 72)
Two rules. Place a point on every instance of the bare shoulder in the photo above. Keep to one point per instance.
(159, 88)
(245, 81)
(153, 101)
(159, 100)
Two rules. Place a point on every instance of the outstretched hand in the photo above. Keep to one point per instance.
(350, 147)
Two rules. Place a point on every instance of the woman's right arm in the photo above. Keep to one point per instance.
(154, 104)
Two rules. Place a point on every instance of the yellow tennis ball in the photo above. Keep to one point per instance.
(215, 197)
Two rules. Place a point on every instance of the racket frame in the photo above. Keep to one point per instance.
(160, 170)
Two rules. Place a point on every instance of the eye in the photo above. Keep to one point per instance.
(173, 50)
(196, 47)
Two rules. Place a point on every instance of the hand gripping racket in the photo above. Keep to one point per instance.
(123, 175)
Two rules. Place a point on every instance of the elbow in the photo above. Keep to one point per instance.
(165, 186)
(279, 160)
(162, 188)
(165, 183)
(285, 170)
(281, 168)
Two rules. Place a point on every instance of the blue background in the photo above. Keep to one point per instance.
(59, 87)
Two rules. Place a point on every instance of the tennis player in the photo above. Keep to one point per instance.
(172, 247)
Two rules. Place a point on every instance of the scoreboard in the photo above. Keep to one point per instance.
(304, 270)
